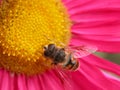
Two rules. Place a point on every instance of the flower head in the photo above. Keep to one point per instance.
(27, 26)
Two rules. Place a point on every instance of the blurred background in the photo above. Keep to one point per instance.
(112, 57)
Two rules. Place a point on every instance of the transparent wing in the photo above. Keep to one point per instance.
(65, 77)
(82, 51)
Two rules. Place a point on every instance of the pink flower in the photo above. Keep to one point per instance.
(96, 22)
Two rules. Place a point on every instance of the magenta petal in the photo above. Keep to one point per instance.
(4, 80)
(33, 83)
(46, 81)
(98, 27)
(89, 76)
(49, 81)
(111, 75)
(82, 83)
(96, 77)
(92, 10)
(96, 22)
(103, 64)
(21, 83)
(110, 70)
(103, 46)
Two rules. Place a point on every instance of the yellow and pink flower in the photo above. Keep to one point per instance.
(26, 26)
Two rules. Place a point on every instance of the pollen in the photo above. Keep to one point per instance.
(26, 26)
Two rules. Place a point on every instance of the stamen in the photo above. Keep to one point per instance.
(24, 26)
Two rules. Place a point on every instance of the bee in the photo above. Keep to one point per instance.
(67, 58)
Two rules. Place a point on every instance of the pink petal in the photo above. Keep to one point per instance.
(103, 64)
(98, 27)
(82, 83)
(50, 81)
(92, 10)
(33, 83)
(109, 69)
(111, 75)
(87, 77)
(20, 82)
(96, 77)
(97, 22)
(102, 45)
(4, 80)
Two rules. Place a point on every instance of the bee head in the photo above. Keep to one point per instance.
(49, 49)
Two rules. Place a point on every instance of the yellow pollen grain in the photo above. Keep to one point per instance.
(25, 28)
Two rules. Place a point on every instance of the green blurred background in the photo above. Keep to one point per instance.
(112, 57)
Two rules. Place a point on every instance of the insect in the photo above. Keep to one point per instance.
(67, 57)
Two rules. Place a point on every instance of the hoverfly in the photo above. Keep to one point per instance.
(67, 58)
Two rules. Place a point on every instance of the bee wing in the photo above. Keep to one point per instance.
(64, 77)
(82, 51)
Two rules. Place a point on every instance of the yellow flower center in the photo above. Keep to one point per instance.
(26, 26)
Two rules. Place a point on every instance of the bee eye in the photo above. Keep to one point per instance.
(46, 53)
(51, 48)
(51, 45)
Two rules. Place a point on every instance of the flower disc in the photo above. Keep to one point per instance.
(25, 28)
